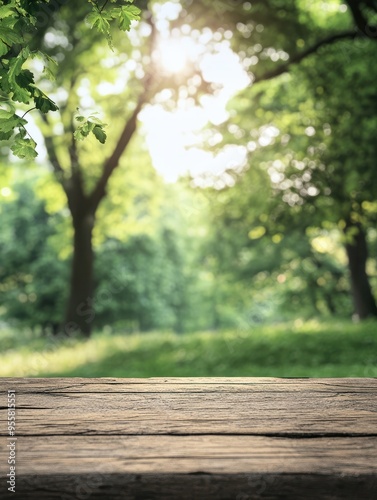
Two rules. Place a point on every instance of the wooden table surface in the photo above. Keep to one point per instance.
(192, 438)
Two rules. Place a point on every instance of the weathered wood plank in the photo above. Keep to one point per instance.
(238, 439)
(186, 384)
(222, 467)
(194, 454)
(75, 407)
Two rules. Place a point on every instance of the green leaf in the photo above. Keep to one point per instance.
(125, 15)
(9, 36)
(84, 130)
(4, 83)
(97, 20)
(3, 49)
(49, 64)
(50, 75)
(48, 59)
(24, 148)
(43, 102)
(100, 21)
(6, 11)
(93, 118)
(78, 136)
(20, 93)
(88, 125)
(12, 23)
(25, 79)
(100, 134)
(4, 136)
(15, 66)
(9, 121)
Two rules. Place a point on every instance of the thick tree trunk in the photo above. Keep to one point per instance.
(80, 311)
(357, 253)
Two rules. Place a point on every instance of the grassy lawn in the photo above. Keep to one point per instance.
(313, 349)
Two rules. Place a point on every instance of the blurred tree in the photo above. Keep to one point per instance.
(84, 190)
(274, 264)
(342, 137)
(76, 50)
(271, 38)
(146, 266)
(83, 169)
(322, 168)
(33, 278)
(310, 130)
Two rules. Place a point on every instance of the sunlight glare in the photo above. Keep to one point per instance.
(177, 150)
(173, 55)
(168, 10)
(224, 68)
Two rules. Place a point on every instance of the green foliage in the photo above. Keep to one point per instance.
(125, 15)
(8, 122)
(311, 134)
(21, 147)
(24, 148)
(18, 25)
(101, 19)
(146, 281)
(43, 102)
(32, 277)
(93, 125)
(251, 255)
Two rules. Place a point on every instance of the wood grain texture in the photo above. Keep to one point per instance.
(236, 438)
(194, 454)
(206, 406)
(191, 384)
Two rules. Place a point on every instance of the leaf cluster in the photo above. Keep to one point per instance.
(17, 84)
(18, 23)
(101, 19)
(93, 125)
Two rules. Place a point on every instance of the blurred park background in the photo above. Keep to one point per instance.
(226, 226)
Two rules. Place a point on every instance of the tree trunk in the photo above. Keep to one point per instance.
(80, 312)
(357, 253)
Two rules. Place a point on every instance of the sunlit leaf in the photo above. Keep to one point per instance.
(24, 148)
(88, 125)
(126, 15)
(97, 20)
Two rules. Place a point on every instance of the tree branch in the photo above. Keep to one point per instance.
(75, 193)
(51, 153)
(72, 148)
(72, 185)
(113, 161)
(297, 58)
(358, 15)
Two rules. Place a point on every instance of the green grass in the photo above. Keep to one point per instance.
(313, 349)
